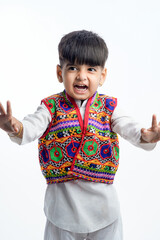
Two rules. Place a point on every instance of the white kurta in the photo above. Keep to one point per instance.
(81, 206)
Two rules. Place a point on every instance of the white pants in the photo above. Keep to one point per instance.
(111, 232)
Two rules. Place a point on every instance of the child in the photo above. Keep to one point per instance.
(78, 143)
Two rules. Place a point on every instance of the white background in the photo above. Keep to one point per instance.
(29, 34)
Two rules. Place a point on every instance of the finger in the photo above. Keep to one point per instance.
(2, 110)
(15, 128)
(154, 121)
(9, 109)
(143, 131)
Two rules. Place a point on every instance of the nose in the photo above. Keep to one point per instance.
(82, 75)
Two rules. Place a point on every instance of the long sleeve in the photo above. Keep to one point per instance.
(128, 129)
(34, 125)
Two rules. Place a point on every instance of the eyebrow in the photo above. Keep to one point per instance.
(70, 64)
(73, 64)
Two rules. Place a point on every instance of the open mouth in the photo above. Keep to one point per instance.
(81, 87)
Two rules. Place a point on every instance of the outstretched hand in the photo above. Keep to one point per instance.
(151, 135)
(7, 122)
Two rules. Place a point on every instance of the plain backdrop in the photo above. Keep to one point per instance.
(29, 34)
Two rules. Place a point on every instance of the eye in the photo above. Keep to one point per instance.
(91, 69)
(72, 68)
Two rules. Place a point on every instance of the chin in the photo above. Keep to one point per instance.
(81, 98)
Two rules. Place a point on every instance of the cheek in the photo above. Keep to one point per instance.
(96, 82)
(67, 83)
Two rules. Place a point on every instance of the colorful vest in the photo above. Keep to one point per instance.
(75, 149)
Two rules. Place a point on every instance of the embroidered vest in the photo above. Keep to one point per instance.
(75, 149)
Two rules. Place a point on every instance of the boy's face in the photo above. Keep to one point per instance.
(81, 81)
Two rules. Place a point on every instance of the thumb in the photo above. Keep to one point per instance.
(143, 131)
(15, 128)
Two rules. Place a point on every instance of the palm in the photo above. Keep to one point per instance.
(152, 134)
(7, 122)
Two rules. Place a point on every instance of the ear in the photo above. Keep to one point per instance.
(103, 76)
(59, 73)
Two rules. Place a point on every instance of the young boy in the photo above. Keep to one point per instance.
(78, 143)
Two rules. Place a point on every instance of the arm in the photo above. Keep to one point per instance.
(8, 123)
(33, 125)
(129, 129)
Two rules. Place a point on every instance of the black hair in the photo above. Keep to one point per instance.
(83, 47)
